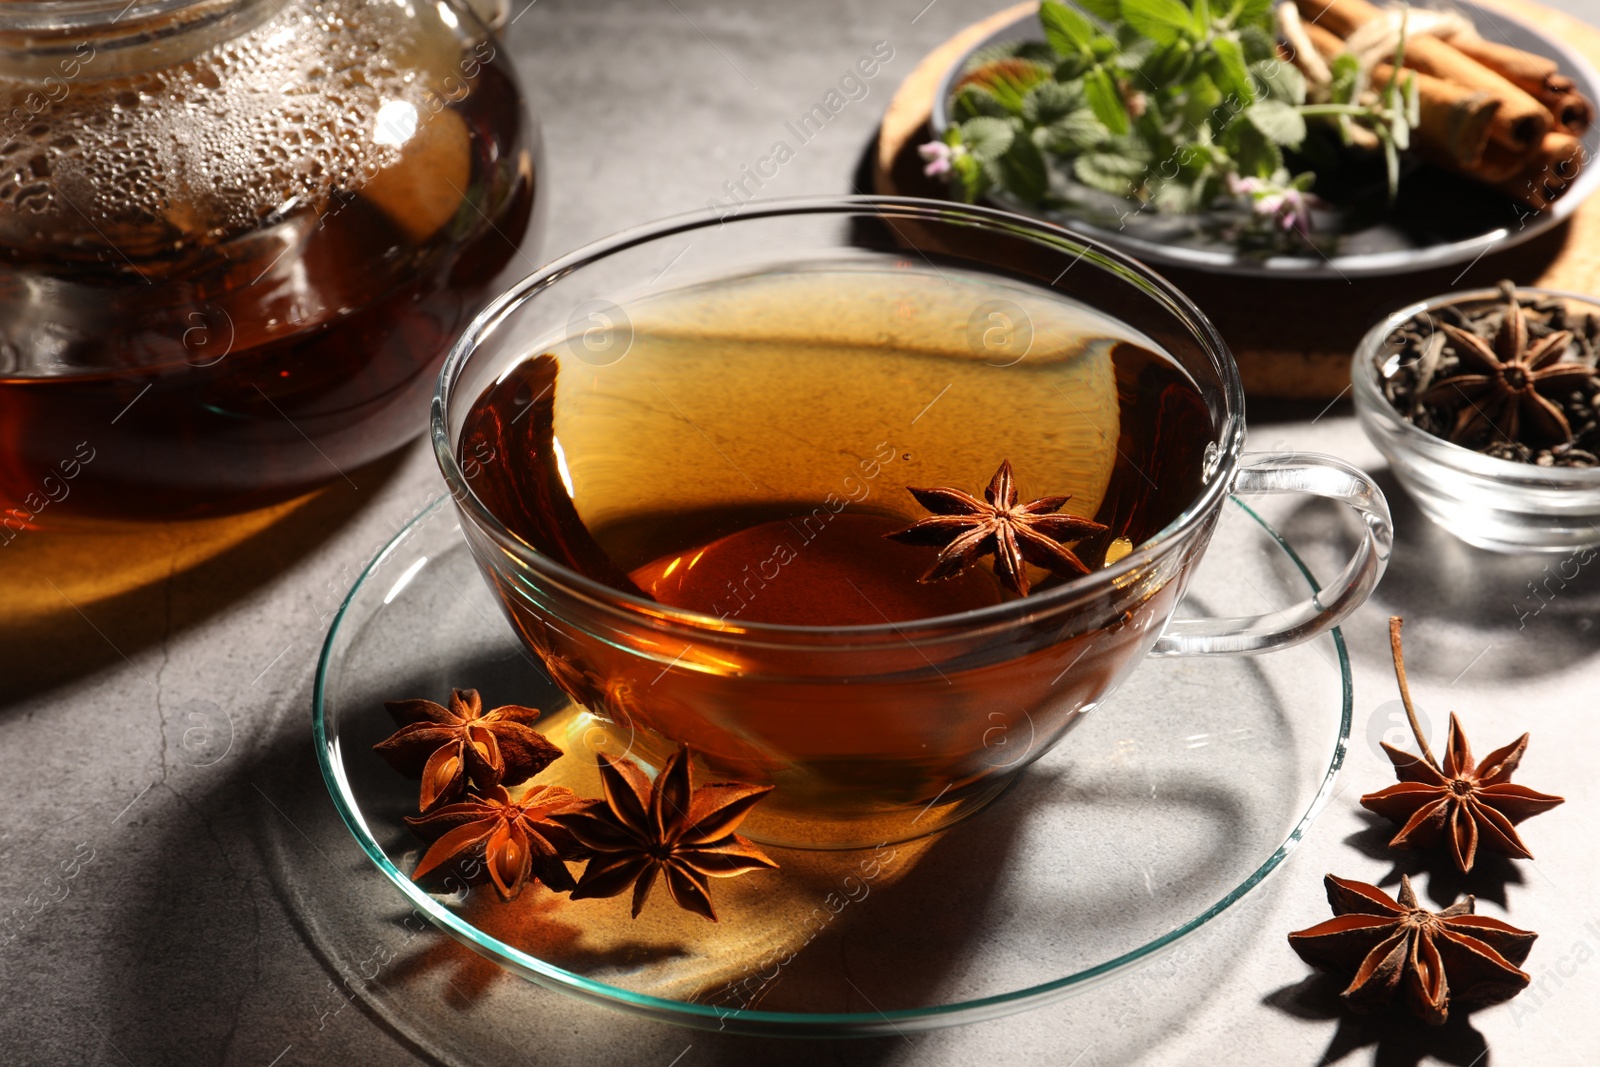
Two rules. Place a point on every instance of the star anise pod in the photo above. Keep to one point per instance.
(1470, 804)
(515, 839)
(965, 528)
(1395, 949)
(1506, 386)
(685, 835)
(462, 745)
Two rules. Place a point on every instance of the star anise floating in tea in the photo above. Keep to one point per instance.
(1466, 804)
(1516, 381)
(461, 745)
(480, 831)
(965, 528)
(1400, 954)
(684, 835)
(516, 839)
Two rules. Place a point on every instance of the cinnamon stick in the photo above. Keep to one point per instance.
(1524, 68)
(1519, 123)
(1341, 17)
(1536, 75)
(1497, 166)
(1573, 112)
(1548, 173)
(1327, 42)
(1455, 121)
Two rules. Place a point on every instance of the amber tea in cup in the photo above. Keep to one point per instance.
(747, 456)
(681, 495)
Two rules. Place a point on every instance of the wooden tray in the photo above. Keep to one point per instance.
(1292, 337)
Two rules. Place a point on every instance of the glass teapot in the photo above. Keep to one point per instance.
(237, 238)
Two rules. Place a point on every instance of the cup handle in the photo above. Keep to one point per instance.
(1296, 472)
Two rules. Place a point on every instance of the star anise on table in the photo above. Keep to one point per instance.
(1506, 387)
(1470, 804)
(965, 528)
(516, 840)
(1395, 950)
(671, 829)
(461, 745)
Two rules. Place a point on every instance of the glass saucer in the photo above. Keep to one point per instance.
(1175, 799)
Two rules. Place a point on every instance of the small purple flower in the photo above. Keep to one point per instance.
(1242, 187)
(937, 156)
(1293, 212)
(1288, 208)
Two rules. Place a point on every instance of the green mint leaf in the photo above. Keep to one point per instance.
(970, 180)
(1073, 67)
(1074, 133)
(1347, 81)
(1280, 81)
(1130, 49)
(1281, 123)
(1391, 162)
(1110, 172)
(1254, 13)
(1228, 70)
(1178, 197)
(1258, 45)
(1050, 101)
(1065, 29)
(1022, 170)
(1202, 18)
(987, 138)
(975, 100)
(1167, 65)
(1400, 130)
(989, 53)
(1202, 104)
(1107, 11)
(1253, 152)
(1163, 21)
(1105, 101)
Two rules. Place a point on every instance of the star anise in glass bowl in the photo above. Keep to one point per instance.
(1487, 406)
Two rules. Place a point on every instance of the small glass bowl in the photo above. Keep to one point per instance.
(1490, 503)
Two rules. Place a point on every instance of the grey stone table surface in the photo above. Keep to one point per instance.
(198, 926)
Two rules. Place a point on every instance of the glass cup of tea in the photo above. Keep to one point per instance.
(677, 454)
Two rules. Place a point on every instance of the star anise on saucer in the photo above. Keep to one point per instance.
(516, 840)
(1430, 961)
(1470, 804)
(965, 528)
(1507, 387)
(672, 830)
(461, 745)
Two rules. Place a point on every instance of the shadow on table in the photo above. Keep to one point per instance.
(81, 599)
(1544, 607)
(1398, 1040)
(1491, 872)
